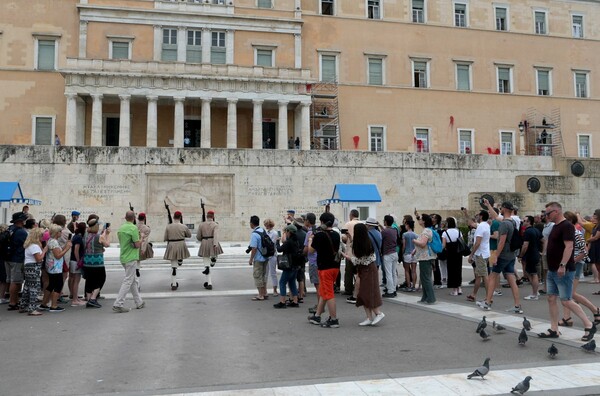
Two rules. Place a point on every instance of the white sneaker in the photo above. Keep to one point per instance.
(378, 318)
(483, 305)
(531, 297)
(497, 292)
(366, 322)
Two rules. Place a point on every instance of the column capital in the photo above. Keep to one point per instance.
(232, 100)
(151, 98)
(71, 95)
(181, 28)
(258, 101)
(157, 26)
(97, 96)
(179, 98)
(305, 104)
(283, 102)
(125, 97)
(206, 100)
(83, 21)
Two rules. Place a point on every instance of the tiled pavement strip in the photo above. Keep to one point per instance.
(547, 378)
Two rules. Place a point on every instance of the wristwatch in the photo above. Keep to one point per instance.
(561, 265)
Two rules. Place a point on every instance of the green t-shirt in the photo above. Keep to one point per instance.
(493, 228)
(128, 234)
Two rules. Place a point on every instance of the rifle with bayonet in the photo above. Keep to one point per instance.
(131, 208)
(168, 212)
(203, 210)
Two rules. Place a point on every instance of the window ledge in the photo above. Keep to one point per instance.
(120, 37)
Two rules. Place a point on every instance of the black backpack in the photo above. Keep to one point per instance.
(516, 241)
(267, 247)
(5, 244)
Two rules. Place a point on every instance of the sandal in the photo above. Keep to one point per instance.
(471, 298)
(550, 334)
(590, 333)
(566, 322)
(258, 298)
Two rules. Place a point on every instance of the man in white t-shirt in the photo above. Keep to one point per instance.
(480, 254)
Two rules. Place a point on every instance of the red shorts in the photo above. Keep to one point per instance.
(326, 281)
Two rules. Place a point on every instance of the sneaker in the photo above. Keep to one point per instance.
(43, 307)
(333, 323)
(497, 292)
(351, 300)
(57, 309)
(542, 292)
(378, 318)
(120, 309)
(142, 305)
(292, 304)
(388, 295)
(93, 304)
(62, 300)
(279, 305)
(312, 310)
(531, 297)
(484, 305)
(366, 322)
(314, 319)
(515, 309)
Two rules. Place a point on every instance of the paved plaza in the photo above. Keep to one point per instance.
(194, 341)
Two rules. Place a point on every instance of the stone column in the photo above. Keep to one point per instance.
(257, 124)
(152, 122)
(229, 47)
(206, 44)
(178, 125)
(305, 126)
(71, 120)
(158, 39)
(205, 127)
(125, 122)
(96, 139)
(282, 125)
(83, 28)
(181, 44)
(232, 123)
(297, 51)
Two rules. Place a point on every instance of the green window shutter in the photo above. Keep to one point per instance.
(543, 80)
(265, 4)
(264, 58)
(46, 54)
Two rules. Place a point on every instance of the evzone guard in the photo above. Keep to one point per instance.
(210, 248)
(177, 251)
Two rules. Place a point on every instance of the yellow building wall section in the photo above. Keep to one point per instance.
(245, 43)
(25, 94)
(121, 3)
(98, 40)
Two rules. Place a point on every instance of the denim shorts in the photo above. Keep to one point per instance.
(579, 269)
(503, 265)
(561, 286)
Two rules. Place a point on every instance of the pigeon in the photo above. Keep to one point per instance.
(590, 346)
(526, 324)
(523, 337)
(483, 334)
(481, 371)
(552, 351)
(482, 325)
(498, 327)
(522, 386)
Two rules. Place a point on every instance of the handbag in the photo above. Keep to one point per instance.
(284, 262)
(462, 248)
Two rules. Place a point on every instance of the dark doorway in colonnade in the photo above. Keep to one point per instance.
(112, 131)
(191, 133)
(269, 131)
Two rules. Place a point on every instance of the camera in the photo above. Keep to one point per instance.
(248, 250)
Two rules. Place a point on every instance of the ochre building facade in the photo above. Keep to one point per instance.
(461, 76)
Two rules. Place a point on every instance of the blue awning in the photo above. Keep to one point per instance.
(353, 193)
(11, 192)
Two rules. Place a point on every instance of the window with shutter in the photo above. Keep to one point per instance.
(463, 77)
(169, 45)
(328, 68)
(43, 130)
(501, 18)
(120, 49)
(46, 55)
(375, 71)
(543, 81)
(418, 11)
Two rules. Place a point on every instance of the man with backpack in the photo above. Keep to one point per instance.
(503, 261)
(15, 258)
(261, 248)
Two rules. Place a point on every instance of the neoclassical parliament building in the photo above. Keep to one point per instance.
(440, 76)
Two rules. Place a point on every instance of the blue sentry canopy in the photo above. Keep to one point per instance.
(353, 193)
(11, 192)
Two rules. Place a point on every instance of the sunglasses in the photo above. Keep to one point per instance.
(550, 212)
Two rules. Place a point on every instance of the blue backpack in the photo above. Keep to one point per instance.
(436, 242)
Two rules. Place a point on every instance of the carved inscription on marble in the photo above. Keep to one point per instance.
(104, 191)
(269, 191)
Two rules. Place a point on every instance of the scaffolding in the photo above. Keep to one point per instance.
(543, 133)
(324, 114)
